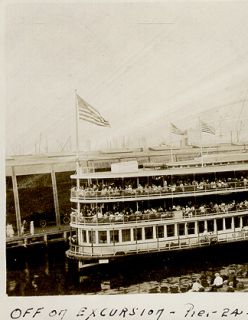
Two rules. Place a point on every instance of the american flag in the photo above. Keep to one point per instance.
(88, 113)
(204, 127)
(174, 129)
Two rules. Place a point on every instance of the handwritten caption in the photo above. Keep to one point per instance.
(187, 311)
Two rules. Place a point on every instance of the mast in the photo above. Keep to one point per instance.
(201, 142)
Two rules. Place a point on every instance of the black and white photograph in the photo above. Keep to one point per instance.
(126, 150)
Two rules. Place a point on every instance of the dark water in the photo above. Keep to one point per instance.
(46, 271)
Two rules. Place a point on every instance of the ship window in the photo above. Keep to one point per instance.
(170, 230)
(181, 229)
(201, 226)
(148, 233)
(160, 231)
(219, 224)
(137, 234)
(102, 236)
(237, 222)
(210, 225)
(191, 228)
(114, 236)
(228, 223)
(84, 236)
(245, 221)
(126, 235)
(92, 236)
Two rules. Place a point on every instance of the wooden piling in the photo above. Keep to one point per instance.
(55, 197)
(16, 200)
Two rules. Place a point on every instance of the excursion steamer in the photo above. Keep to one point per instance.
(130, 211)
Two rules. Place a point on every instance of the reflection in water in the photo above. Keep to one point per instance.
(46, 271)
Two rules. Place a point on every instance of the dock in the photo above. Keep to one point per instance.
(41, 236)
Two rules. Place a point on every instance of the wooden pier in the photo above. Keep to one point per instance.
(44, 236)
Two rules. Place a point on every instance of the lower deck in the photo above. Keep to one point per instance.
(108, 241)
(81, 254)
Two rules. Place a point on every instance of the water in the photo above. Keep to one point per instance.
(46, 271)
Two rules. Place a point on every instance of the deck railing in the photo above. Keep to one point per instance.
(84, 194)
(78, 219)
(158, 245)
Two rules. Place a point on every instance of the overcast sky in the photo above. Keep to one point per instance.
(140, 65)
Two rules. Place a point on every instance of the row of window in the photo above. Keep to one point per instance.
(161, 231)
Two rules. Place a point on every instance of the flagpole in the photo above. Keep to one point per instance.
(77, 138)
(201, 141)
(77, 148)
(171, 155)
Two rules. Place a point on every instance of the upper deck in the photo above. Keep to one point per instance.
(129, 183)
(135, 194)
(177, 171)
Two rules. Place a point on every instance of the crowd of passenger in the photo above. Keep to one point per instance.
(114, 189)
(218, 282)
(177, 211)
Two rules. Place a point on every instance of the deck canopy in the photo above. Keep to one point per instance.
(165, 172)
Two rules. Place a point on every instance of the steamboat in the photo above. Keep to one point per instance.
(134, 210)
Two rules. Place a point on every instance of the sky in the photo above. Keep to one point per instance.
(141, 65)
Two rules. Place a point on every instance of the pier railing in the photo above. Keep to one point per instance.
(160, 192)
(78, 219)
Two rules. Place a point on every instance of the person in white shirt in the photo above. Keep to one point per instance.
(218, 281)
(197, 286)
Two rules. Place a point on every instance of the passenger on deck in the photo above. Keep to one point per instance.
(181, 186)
(245, 182)
(202, 209)
(173, 187)
(165, 185)
(140, 189)
(99, 214)
(160, 209)
(222, 207)
(216, 208)
(213, 185)
(200, 186)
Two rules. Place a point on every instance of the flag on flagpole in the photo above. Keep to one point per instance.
(88, 113)
(174, 129)
(205, 127)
